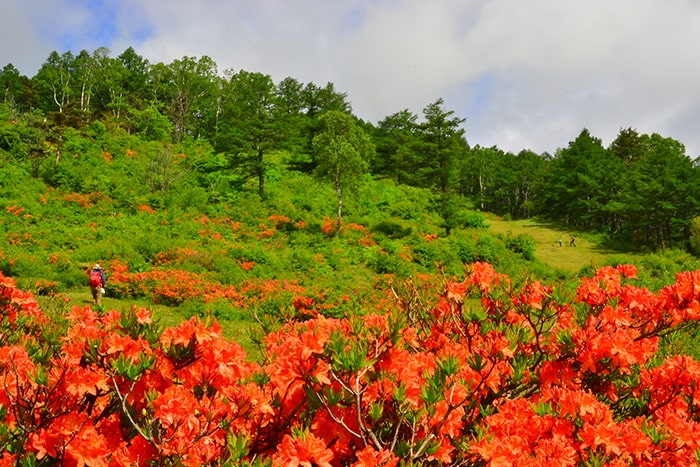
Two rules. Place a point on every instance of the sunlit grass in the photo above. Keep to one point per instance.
(564, 258)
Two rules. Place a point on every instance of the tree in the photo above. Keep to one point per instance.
(25, 140)
(343, 151)
(528, 170)
(625, 151)
(316, 101)
(627, 146)
(249, 126)
(54, 81)
(164, 169)
(662, 196)
(17, 90)
(322, 99)
(442, 147)
(122, 85)
(150, 123)
(575, 187)
(10, 85)
(296, 123)
(189, 89)
(84, 71)
(396, 138)
(479, 176)
(135, 77)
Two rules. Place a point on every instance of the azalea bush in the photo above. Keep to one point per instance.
(181, 288)
(479, 371)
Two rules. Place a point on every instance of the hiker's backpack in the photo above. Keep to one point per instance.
(95, 278)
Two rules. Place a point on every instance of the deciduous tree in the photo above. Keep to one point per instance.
(343, 151)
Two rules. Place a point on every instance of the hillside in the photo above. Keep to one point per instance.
(191, 231)
(288, 284)
(266, 251)
(245, 326)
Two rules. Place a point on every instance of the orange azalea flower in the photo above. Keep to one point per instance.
(143, 316)
(550, 386)
(456, 291)
(247, 265)
(627, 270)
(590, 292)
(88, 448)
(305, 450)
(145, 208)
(604, 434)
(84, 381)
(369, 457)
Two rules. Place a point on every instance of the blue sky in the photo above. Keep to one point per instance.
(86, 24)
(525, 74)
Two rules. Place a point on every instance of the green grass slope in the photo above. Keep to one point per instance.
(547, 236)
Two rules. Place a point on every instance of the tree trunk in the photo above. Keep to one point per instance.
(481, 191)
(339, 191)
(261, 173)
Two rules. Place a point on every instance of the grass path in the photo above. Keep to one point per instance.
(546, 235)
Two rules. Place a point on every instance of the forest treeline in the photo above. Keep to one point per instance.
(642, 190)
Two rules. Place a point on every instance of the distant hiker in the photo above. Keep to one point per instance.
(98, 280)
(560, 244)
(572, 242)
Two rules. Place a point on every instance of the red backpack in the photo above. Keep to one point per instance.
(95, 278)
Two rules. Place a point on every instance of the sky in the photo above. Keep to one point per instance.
(525, 74)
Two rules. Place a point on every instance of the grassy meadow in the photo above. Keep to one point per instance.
(587, 252)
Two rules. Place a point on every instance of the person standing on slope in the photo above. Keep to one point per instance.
(98, 280)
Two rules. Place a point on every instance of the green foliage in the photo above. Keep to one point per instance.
(150, 123)
(473, 220)
(487, 250)
(342, 151)
(88, 123)
(465, 246)
(23, 265)
(222, 310)
(134, 178)
(522, 244)
(694, 240)
(391, 229)
(389, 262)
(437, 252)
(658, 269)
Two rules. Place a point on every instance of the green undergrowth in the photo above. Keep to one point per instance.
(217, 235)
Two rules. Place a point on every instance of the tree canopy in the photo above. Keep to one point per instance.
(641, 190)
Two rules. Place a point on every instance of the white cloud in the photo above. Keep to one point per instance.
(525, 74)
(21, 41)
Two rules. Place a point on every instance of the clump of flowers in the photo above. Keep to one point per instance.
(480, 372)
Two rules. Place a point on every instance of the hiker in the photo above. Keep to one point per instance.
(98, 280)
(559, 242)
(572, 242)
